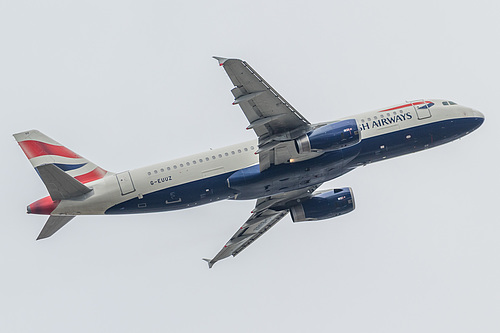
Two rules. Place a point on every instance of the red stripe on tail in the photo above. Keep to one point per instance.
(44, 206)
(95, 174)
(36, 148)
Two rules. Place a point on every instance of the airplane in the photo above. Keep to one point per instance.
(281, 170)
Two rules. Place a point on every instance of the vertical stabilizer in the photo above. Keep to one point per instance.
(42, 150)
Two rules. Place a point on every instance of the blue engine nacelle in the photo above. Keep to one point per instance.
(324, 205)
(333, 136)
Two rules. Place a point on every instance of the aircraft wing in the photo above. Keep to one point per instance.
(267, 212)
(272, 118)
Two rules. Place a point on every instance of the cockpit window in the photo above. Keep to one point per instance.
(449, 103)
(452, 103)
(445, 103)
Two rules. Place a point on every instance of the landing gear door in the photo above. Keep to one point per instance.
(422, 109)
(125, 182)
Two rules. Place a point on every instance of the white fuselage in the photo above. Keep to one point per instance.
(140, 183)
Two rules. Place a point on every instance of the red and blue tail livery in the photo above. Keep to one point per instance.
(281, 169)
(40, 150)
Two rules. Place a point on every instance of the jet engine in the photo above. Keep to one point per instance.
(333, 136)
(324, 205)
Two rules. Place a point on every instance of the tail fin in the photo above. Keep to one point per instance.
(42, 150)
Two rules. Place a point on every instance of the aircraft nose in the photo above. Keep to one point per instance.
(477, 119)
(477, 114)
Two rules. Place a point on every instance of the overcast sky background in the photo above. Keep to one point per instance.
(127, 84)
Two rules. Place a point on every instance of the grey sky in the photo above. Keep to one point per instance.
(127, 84)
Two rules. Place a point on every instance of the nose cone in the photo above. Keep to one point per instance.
(475, 120)
(478, 115)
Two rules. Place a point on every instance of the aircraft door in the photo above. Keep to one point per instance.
(422, 110)
(125, 182)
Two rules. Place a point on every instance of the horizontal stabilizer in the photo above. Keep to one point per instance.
(60, 185)
(53, 224)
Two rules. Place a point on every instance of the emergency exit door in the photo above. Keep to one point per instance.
(125, 182)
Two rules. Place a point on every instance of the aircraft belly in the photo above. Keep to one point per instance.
(253, 184)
